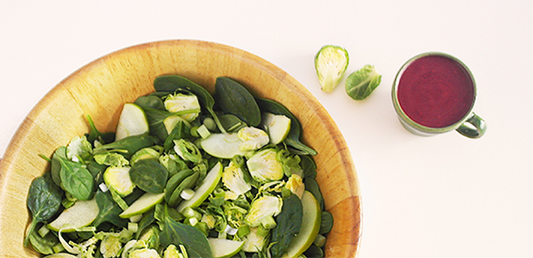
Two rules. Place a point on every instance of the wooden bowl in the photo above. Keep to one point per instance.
(101, 88)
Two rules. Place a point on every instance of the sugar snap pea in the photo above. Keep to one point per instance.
(188, 182)
(175, 180)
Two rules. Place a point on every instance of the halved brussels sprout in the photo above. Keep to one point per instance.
(233, 179)
(252, 138)
(118, 179)
(264, 166)
(186, 103)
(263, 210)
(330, 64)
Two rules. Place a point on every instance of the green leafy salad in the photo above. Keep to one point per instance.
(185, 174)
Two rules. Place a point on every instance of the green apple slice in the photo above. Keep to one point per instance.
(132, 121)
(142, 205)
(311, 220)
(204, 190)
(277, 126)
(223, 248)
(222, 145)
(81, 214)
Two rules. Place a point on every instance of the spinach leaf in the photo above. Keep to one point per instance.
(150, 101)
(233, 98)
(175, 233)
(327, 223)
(293, 138)
(308, 165)
(314, 251)
(55, 165)
(289, 222)
(76, 179)
(173, 83)
(97, 171)
(311, 185)
(44, 201)
(156, 118)
(109, 211)
(94, 134)
(231, 122)
(149, 175)
(127, 146)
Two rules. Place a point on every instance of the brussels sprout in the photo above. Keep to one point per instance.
(173, 252)
(330, 64)
(187, 151)
(111, 159)
(110, 246)
(184, 103)
(263, 210)
(361, 83)
(255, 240)
(118, 179)
(296, 185)
(252, 138)
(233, 179)
(149, 238)
(264, 166)
(79, 147)
(145, 153)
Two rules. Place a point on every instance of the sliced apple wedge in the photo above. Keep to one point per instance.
(81, 214)
(311, 220)
(222, 145)
(204, 190)
(277, 126)
(223, 248)
(132, 121)
(142, 205)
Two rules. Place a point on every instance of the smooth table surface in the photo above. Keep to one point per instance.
(442, 196)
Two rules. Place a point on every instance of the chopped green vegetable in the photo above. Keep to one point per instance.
(331, 63)
(361, 83)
